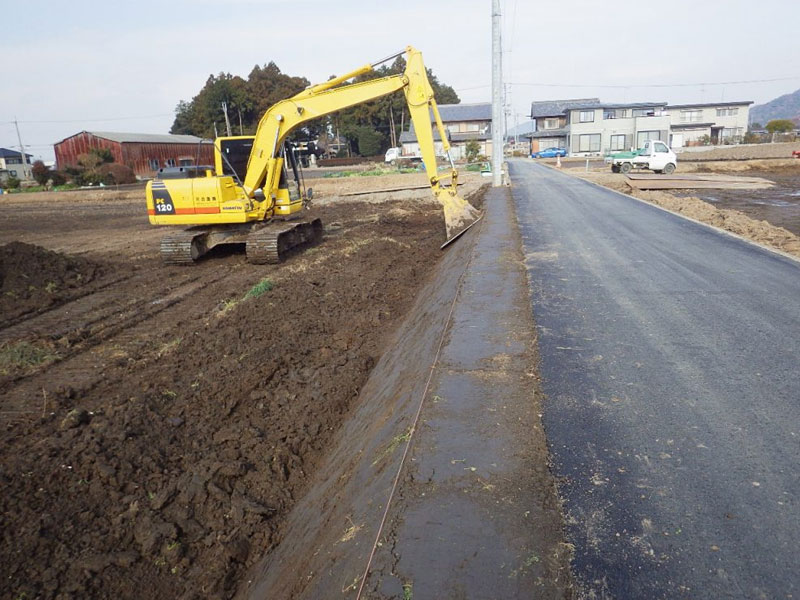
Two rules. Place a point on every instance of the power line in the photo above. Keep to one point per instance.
(634, 85)
(94, 120)
(656, 85)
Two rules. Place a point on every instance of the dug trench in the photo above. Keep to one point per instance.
(170, 418)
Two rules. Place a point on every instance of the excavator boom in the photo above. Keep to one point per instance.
(322, 99)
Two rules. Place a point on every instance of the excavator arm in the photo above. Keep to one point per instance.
(264, 166)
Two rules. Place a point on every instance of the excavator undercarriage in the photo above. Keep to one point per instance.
(265, 243)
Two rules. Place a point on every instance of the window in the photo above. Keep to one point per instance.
(614, 113)
(645, 112)
(186, 162)
(551, 123)
(13, 173)
(661, 147)
(589, 142)
(691, 116)
(731, 133)
(473, 127)
(587, 116)
(618, 142)
(643, 136)
(170, 162)
(154, 164)
(727, 112)
(453, 128)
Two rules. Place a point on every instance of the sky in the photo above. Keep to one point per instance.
(124, 66)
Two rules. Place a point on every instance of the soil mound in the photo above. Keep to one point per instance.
(33, 278)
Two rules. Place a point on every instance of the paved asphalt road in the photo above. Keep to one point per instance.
(670, 357)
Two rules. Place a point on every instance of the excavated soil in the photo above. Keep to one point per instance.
(155, 447)
(33, 279)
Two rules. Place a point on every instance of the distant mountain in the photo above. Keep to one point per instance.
(783, 107)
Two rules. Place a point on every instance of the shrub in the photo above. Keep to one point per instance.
(11, 183)
(58, 178)
(41, 173)
(115, 173)
(473, 149)
(103, 154)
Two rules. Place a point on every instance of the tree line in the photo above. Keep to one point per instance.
(367, 129)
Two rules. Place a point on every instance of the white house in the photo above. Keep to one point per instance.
(721, 122)
(11, 165)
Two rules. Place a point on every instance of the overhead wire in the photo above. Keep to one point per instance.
(20, 121)
(636, 85)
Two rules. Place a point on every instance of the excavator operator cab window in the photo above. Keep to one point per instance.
(237, 151)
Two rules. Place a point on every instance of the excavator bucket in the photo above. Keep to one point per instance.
(459, 215)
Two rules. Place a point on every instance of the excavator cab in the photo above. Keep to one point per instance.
(231, 155)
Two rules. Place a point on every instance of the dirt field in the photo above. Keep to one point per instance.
(741, 151)
(157, 423)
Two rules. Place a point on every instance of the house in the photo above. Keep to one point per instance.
(550, 119)
(589, 127)
(715, 123)
(11, 165)
(596, 129)
(463, 122)
(145, 153)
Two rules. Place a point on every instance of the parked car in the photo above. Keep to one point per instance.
(550, 153)
(655, 155)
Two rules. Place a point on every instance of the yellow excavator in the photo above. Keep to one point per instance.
(255, 192)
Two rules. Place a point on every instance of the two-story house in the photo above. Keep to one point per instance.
(550, 122)
(598, 129)
(589, 127)
(717, 123)
(463, 122)
(11, 165)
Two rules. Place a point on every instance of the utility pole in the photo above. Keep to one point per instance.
(227, 121)
(497, 98)
(21, 151)
(392, 132)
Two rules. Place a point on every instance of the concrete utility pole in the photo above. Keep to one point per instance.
(227, 122)
(497, 98)
(21, 151)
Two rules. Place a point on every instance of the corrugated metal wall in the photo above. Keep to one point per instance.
(68, 150)
(139, 156)
(145, 159)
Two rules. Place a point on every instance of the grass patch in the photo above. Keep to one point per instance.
(23, 355)
(259, 289)
(262, 287)
(408, 591)
(41, 188)
(377, 171)
(396, 441)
